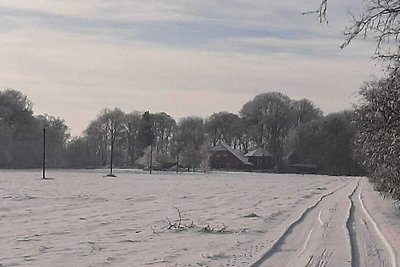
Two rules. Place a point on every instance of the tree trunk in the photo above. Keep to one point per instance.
(177, 163)
(112, 154)
(151, 158)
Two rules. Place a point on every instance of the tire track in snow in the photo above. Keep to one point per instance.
(291, 262)
(350, 225)
(320, 259)
(278, 243)
(319, 215)
(379, 233)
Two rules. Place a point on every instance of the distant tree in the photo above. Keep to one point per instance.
(146, 136)
(221, 128)
(131, 132)
(78, 153)
(305, 111)
(339, 133)
(271, 116)
(190, 138)
(147, 159)
(21, 134)
(6, 146)
(14, 106)
(242, 131)
(164, 127)
(307, 142)
(20, 131)
(96, 136)
(112, 120)
(57, 136)
(328, 143)
(105, 137)
(176, 147)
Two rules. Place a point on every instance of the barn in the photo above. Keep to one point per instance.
(261, 159)
(223, 156)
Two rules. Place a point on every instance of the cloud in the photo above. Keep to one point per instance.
(184, 21)
(182, 57)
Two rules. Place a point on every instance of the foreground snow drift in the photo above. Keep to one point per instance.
(221, 219)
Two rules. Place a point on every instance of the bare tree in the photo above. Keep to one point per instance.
(380, 20)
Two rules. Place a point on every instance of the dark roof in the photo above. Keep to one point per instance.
(259, 152)
(234, 152)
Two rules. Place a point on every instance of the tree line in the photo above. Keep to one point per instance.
(271, 120)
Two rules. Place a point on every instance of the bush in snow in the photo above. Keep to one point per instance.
(378, 140)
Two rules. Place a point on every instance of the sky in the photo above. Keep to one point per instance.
(74, 58)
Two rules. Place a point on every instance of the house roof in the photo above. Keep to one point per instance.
(259, 152)
(234, 152)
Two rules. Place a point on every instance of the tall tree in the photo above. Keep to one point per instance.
(190, 138)
(305, 111)
(57, 136)
(328, 143)
(131, 131)
(78, 153)
(163, 126)
(221, 128)
(105, 137)
(20, 129)
(96, 138)
(146, 135)
(272, 116)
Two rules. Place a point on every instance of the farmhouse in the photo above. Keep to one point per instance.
(225, 157)
(261, 159)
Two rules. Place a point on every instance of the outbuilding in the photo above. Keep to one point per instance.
(223, 156)
(261, 159)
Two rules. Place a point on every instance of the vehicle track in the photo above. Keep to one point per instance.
(337, 230)
(350, 225)
(369, 246)
(300, 235)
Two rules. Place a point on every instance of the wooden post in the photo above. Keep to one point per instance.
(44, 155)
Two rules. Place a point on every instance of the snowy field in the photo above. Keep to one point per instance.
(227, 219)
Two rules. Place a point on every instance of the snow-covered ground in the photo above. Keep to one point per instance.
(227, 219)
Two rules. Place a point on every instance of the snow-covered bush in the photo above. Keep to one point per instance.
(378, 140)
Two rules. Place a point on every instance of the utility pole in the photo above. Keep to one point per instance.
(112, 155)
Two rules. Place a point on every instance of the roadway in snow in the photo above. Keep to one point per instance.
(337, 230)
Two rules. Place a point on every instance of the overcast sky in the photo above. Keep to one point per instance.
(73, 58)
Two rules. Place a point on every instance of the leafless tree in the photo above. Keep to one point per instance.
(379, 20)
